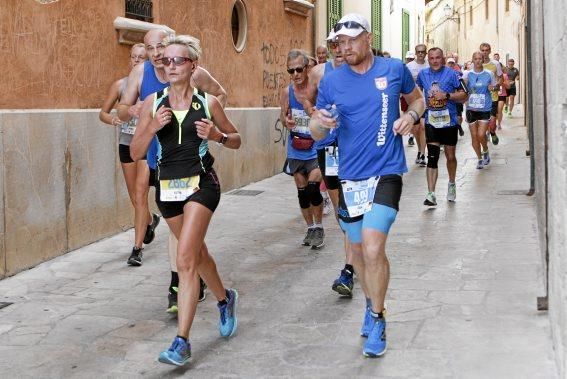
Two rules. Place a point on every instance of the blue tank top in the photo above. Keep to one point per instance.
(301, 129)
(332, 136)
(151, 84)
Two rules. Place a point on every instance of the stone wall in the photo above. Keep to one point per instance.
(548, 36)
(62, 187)
(66, 54)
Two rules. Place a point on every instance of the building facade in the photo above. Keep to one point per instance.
(60, 182)
(548, 121)
(397, 26)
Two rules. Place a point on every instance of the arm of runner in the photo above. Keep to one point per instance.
(224, 127)
(322, 121)
(206, 83)
(314, 78)
(111, 98)
(148, 126)
(128, 106)
(285, 110)
(416, 103)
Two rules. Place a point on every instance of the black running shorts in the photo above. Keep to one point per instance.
(208, 195)
(331, 182)
(444, 136)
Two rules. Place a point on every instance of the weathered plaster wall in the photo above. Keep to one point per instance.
(62, 187)
(66, 54)
(548, 35)
(555, 21)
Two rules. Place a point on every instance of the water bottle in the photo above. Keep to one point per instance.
(332, 109)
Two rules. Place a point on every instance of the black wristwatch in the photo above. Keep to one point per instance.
(223, 139)
(448, 96)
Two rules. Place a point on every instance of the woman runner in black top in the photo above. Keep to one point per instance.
(185, 120)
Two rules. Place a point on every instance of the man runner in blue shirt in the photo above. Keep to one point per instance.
(365, 93)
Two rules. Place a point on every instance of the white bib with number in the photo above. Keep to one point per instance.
(129, 127)
(477, 100)
(359, 195)
(301, 122)
(331, 161)
(178, 189)
(439, 119)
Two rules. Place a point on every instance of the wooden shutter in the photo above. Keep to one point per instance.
(334, 12)
(376, 23)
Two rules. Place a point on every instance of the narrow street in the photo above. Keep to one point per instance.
(461, 303)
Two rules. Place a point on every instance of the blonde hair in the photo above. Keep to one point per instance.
(138, 45)
(192, 44)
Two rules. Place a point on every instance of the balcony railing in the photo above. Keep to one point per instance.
(139, 10)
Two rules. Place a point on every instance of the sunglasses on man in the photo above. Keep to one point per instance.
(177, 61)
(299, 70)
(348, 25)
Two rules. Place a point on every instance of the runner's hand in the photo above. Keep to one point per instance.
(325, 119)
(134, 110)
(403, 125)
(205, 128)
(162, 117)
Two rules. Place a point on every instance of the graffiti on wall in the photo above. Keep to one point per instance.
(274, 75)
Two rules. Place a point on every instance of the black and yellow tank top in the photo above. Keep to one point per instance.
(181, 152)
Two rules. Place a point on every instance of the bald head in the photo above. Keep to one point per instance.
(154, 43)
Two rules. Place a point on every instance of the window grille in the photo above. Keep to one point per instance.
(139, 10)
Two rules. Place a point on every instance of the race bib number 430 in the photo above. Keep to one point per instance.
(178, 189)
(359, 195)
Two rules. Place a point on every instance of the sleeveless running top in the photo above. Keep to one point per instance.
(331, 138)
(301, 129)
(128, 128)
(151, 84)
(183, 152)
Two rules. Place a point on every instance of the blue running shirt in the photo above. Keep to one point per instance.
(301, 128)
(368, 104)
(151, 84)
(439, 113)
(480, 99)
(332, 136)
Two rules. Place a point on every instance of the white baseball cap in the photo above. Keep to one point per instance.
(331, 36)
(410, 55)
(451, 60)
(351, 25)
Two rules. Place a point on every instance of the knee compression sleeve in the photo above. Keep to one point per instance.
(303, 197)
(315, 197)
(432, 155)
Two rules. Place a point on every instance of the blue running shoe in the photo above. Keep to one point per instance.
(367, 324)
(343, 285)
(228, 322)
(375, 345)
(178, 354)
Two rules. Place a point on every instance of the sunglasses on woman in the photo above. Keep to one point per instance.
(177, 61)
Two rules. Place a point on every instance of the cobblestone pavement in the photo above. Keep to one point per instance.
(462, 298)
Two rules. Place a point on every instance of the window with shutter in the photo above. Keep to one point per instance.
(377, 24)
(334, 12)
(405, 32)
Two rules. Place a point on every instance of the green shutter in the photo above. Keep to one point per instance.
(405, 32)
(334, 12)
(377, 24)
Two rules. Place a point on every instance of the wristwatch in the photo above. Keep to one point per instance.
(413, 115)
(223, 139)
(448, 96)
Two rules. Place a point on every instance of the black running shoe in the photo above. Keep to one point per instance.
(136, 257)
(172, 300)
(150, 229)
(202, 288)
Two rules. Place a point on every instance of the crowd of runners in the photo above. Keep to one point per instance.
(348, 99)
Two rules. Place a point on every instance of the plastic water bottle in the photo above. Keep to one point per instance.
(332, 109)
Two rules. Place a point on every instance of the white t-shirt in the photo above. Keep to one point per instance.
(415, 68)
